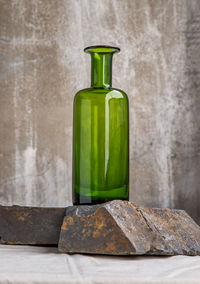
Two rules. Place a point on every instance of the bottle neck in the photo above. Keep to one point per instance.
(101, 70)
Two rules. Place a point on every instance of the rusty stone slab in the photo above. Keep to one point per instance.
(30, 225)
(122, 228)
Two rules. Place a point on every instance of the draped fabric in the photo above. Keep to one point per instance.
(29, 264)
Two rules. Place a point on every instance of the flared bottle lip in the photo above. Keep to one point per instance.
(101, 49)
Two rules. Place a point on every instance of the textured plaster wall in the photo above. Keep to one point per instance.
(42, 67)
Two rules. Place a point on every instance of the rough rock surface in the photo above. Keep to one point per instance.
(30, 225)
(121, 228)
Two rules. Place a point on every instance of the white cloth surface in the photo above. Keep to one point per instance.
(29, 264)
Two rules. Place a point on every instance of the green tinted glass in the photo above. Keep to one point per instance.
(100, 135)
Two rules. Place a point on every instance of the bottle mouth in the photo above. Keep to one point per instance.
(101, 49)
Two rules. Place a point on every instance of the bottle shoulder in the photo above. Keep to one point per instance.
(90, 93)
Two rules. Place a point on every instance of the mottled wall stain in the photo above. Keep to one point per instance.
(42, 67)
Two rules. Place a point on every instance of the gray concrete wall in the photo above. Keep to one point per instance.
(42, 67)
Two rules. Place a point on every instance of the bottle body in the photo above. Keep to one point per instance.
(100, 146)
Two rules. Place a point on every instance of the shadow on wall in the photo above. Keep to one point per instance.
(187, 145)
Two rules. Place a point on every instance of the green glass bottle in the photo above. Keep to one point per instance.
(100, 135)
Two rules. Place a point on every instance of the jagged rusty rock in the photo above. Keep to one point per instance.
(30, 225)
(121, 228)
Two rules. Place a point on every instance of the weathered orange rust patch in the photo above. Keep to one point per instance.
(100, 225)
(95, 234)
(64, 226)
(21, 218)
(99, 222)
(70, 220)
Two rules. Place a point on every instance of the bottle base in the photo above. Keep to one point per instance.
(91, 197)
